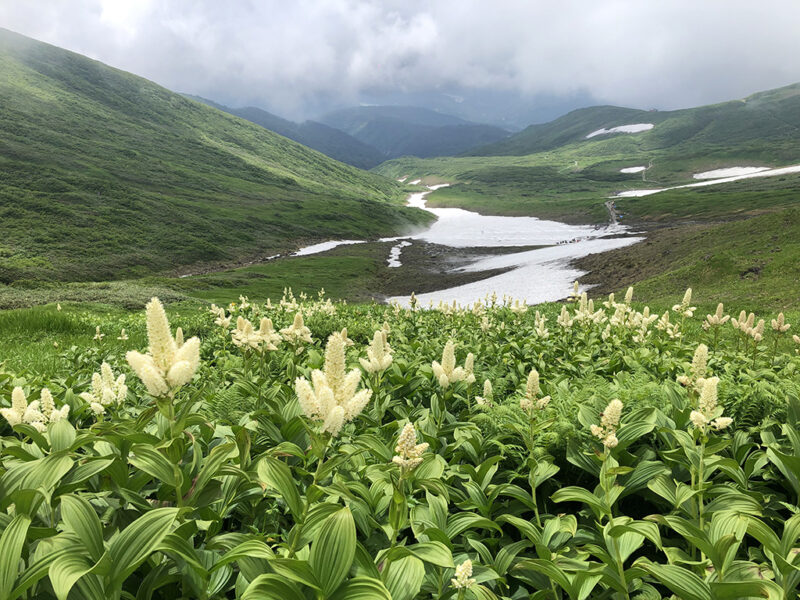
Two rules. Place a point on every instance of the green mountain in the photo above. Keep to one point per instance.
(412, 131)
(108, 175)
(328, 140)
(771, 117)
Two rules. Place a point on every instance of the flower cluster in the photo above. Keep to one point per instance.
(463, 578)
(717, 319)
(488, 395)
(447, 372)
(606, 432)
(698, 370)
(297, 334)
(333, 398)
(265, 338)
(409, 452)
(780, 325)
(106, 390)
(532, 392)
(221, 319)
(708, 412)
(379, 354)
(683, 309)
(37, 414)
(169, 363)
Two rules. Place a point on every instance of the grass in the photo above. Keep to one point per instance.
(753, 263)
(109, 176)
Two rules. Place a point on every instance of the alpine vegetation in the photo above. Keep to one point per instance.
(622, 455)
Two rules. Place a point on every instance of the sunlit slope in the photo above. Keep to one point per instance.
(105, 174)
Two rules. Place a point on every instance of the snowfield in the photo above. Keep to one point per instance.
(634, 128)
(634, 170)
(729, 172)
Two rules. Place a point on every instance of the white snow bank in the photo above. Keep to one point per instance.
(394, 254)
(633, 170)
(415, 182)
(402, 179)
(325, 246)
(768, 173)
(634, 128)
(437, 186)
(729, 172)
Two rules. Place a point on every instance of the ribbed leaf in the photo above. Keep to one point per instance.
(62, 434)
(66, 570)
(211, 466)
(278, 476)
(11, 542)
(137, 541)
(403, 577)
(362, 588)
(155, 464)
(272, 587)
(80, 518)
(333, 550)
(682, 582)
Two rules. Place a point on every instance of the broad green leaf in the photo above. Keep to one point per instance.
(66, 570)
(333, 550)
(80, 518)
(272, 587)
(362, 588)
(128, 549)
(577, 494)
(435, 553)
(278, 476)
(682, 582)
(403, 577)
(62, 434)
(211, 466)
(155, 464)
(12, 542)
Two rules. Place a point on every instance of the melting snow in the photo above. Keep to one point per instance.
(634, 170)
(761, 173)
(394, 254)
(324, 246)
(634, 128)
(729, 172)
(402, 179)
(415, 182)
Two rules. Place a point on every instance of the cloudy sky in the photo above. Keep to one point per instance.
(295, 56)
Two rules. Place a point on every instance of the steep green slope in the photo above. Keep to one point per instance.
(411, 131)
(328, 140)
(107, 175)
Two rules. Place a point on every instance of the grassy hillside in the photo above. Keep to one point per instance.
(739, 126)
(328, 140)
(107, 175)
(412, 131)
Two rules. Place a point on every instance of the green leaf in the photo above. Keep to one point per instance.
(66, 570)
(682, 582)
(403, 577)
(272, 587)
(151, 461)
(362, 588)
(211, 466)
(435, 553)
(131, 547)
(577, 494)
(333, 550)
(62, 434)
(247, 549)
(12, 541)
(80, 518)
(278, 476)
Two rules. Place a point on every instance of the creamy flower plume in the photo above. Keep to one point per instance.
(297, 334)
(36, 414)
(332, 396)
(262, 340)
(683, 308)
(463, 578)
(409, 453)
(780, 325)
(697, 371)
(488, 394)
(606, 432)
(166, 366)
(379, 354)
(532, 391)
(447, 372)
(106, 390)
(717, 319)
(708, 412)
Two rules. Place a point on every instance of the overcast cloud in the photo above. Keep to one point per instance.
(295, 55)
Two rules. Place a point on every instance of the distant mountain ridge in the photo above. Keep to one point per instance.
(328, 140)
(412, 131)
(769, 116)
